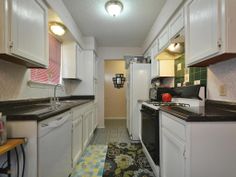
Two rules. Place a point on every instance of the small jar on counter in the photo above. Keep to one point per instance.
(3, 129)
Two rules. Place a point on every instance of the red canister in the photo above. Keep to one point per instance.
(166, 97)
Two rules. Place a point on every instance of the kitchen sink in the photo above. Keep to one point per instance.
(68, 101)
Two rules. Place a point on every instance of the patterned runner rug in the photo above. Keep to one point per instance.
(126, 160)
(91, 164)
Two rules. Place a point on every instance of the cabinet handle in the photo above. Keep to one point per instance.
(184, 154)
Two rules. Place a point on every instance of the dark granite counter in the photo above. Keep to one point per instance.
(213, 111)
(40, 109)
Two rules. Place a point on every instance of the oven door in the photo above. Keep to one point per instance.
(150, 132)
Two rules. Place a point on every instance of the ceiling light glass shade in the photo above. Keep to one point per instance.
(114, 7)
(57, 28)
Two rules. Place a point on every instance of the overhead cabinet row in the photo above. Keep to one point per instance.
(24, 32)
(165, 68)
(210, 31)
(209, 37)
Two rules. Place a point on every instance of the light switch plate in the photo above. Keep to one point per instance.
(222, 90)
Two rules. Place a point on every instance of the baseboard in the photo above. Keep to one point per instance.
(115, 118)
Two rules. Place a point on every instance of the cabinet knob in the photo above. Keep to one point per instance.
(11, 44)
(219, 43)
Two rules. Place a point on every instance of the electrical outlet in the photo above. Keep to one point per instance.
(179, 84)
(197, 82)
(222, 90)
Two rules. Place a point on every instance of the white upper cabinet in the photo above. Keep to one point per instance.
(24, 32)
(88, 84)
(72, 61)
(176, 23)
(154, 51)
(209, 31)
(79, 64)
(163, 39)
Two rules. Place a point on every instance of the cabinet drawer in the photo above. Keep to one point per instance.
(168, 121)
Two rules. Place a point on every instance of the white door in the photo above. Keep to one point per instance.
(30, 30)
(202, 29)
(172, 155)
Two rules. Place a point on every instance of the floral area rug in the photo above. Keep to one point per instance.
(91, 163)
(126, 160)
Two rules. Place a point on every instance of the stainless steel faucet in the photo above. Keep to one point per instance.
(55, 100)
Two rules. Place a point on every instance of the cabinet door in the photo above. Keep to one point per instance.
(85, 131)
(94, 116)
(79, 63)
(177, 23)
(201, 30)
(87, 86)
(69, 63)
(77, 145)
(163, 39)
(29, 37)
(153, 60)
(89, 115)
(172, 155)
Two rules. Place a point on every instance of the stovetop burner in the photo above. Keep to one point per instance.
(156, 103)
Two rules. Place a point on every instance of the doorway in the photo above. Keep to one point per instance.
(114, 98)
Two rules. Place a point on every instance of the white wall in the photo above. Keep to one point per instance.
(166, 13)
(14, 84)
(109, 53)
(223, 73)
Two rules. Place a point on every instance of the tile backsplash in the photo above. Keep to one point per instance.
(195, 73)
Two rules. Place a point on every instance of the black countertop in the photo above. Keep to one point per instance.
(39, 109)
(213, 111)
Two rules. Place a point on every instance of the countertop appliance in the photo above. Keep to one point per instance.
(54, 146)
(138, 79)
(150, 118)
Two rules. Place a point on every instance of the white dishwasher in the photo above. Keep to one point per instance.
(54, 146)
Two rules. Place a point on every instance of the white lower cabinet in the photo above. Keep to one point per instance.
(173, 161)
(85, 130)
(84, 125)
(77, 135)
(196, 149)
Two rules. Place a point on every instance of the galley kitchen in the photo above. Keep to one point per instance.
(117, 88)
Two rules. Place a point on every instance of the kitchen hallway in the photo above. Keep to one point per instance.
(115, 131)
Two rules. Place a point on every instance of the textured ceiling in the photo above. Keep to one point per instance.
(127, 30)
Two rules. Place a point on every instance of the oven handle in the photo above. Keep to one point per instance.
(147, 112)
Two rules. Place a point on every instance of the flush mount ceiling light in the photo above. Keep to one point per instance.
(114, 7)
(57, 28)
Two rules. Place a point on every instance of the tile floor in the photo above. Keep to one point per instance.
(114, 131)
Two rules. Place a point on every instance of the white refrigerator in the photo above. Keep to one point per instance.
(138, 83)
